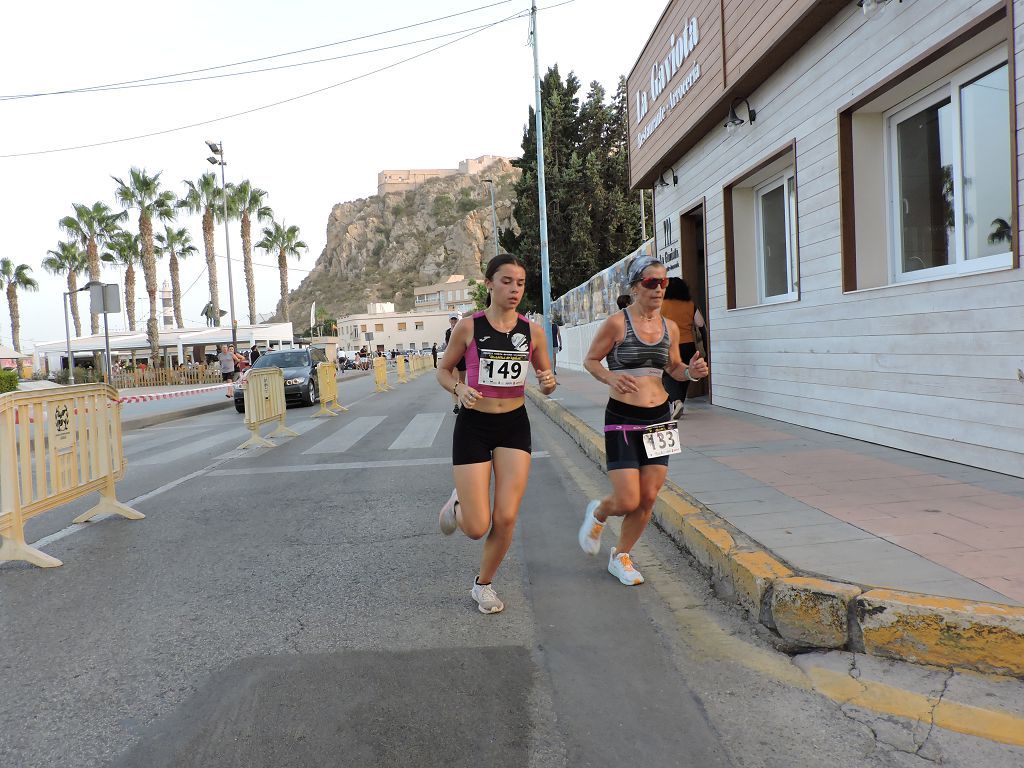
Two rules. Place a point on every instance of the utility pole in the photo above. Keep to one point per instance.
(542, 202)
(643, 219)
(218, 159)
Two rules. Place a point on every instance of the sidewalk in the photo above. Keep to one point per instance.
(841, 508)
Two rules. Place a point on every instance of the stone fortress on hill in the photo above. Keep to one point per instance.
(411, 178)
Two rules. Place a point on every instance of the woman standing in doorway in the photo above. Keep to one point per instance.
(492, 430)
(638, 344)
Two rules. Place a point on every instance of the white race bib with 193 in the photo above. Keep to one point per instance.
(661, 440)
(502, 368)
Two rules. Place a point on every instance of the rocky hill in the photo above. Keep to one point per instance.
(379, 248)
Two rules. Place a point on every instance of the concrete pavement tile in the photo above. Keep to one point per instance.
(696, 483)
(1001, 501)
(847, 552)
(921, 522)
(989, 518)
(929, 543)
(1012, 588)
(854, 514)
(991, 538)
(821, 533)
(780, 520)
(962, 588)
(891, 572)
(757, 493)
(993, 562)
(741, 509)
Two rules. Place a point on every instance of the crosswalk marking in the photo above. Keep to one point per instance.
(347, 436)
(190, 448)
(418, 433)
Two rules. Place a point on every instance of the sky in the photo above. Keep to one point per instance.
(466, 99)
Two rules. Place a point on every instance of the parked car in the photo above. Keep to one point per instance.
(299, 367)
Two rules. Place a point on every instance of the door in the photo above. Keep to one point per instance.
(693, 266)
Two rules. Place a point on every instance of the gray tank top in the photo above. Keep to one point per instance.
(635, 356)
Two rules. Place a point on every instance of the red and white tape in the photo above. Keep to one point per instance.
(168, 395)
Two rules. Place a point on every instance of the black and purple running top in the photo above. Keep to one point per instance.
(496, 361)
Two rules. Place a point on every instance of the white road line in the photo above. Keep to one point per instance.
(418, 433)
(191, 448)
(347, 436)
(386, 464)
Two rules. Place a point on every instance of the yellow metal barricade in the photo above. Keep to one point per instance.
(380, 374)
(400, 367)
(56, 446)
(264, 403)
(327, 386)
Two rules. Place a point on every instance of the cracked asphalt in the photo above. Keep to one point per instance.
(297, 606)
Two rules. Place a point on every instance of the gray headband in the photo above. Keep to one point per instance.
(637, 267)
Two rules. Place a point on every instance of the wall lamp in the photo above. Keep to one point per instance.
(734, 121)
(663, 183)
(871, 7)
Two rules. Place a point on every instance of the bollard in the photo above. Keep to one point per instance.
(380, 375)
(400, 365)
(264, 402)
(55, 447)
(327, 385)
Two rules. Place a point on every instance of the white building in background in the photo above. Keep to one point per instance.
(386, 330)
(453, 295)
(166, 305)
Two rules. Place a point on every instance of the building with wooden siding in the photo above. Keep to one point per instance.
(854, 237)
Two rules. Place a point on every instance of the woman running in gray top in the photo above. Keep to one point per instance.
(638, 345)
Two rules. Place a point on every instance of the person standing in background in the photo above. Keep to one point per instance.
(254, 354)
(433, 353)
(678, 306)
(227, 368)
(556, 344)
(461, 366)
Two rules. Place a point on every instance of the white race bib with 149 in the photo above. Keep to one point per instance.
(501, 368)
(661, 440)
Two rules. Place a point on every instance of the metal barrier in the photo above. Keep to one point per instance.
(264, 403)
(327, 386)
(55, 447)
(400, 362)
(380, 375)
(154, 377)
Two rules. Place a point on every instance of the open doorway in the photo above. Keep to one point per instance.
(693, 266)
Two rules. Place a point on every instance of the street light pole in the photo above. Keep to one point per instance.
(494, 220)
(218, 159)
(67, 330)
(542, 202)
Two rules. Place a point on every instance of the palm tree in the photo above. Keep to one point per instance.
(284, 240)
(177, 244)
(124, 250)
(244, 202)
(16, 277)
(204, 196)
(69, 259)
(143, 192)
(92, 227)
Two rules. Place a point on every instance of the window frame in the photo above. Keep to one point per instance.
(786, 180)
(949, 87)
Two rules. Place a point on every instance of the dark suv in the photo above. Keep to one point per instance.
(299, 367)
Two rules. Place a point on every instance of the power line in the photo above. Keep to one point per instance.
(251, 61)
(129, 86)
(517, 15)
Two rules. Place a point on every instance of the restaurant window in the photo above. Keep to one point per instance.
(929, 192)
(762, 264)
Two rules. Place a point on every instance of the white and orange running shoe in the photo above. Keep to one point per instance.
(590, 531)
(620, 565)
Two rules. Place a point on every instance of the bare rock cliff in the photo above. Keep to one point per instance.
(379, 248)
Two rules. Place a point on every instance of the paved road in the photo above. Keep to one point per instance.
(296, 606)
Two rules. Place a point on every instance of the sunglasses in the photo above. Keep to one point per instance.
(650, 283)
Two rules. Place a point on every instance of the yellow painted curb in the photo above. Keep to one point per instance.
(753, 575)
(812, 612)
(942, 630)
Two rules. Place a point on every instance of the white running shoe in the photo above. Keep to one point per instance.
(590, 531)
(621, 567)
(447, 519)
(677, 409)
(486, 599)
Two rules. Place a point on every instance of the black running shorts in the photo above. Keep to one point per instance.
(625, 450)
(477, 434)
